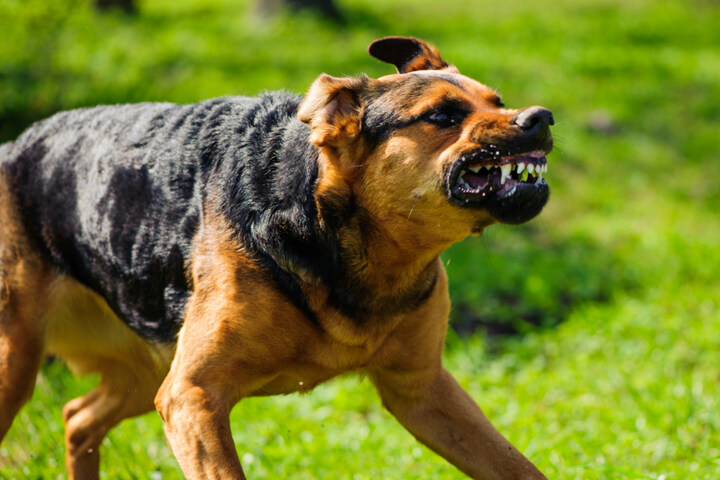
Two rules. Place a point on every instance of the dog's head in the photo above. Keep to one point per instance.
(429, 143)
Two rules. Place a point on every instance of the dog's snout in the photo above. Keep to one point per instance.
(534, 118)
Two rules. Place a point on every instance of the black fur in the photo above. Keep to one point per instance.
(114, 196)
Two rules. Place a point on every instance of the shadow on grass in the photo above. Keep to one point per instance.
(516, 279)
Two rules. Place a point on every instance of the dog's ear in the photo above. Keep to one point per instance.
(333, 109)
(408, 54)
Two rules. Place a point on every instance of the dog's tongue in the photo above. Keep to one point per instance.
(484, 180)
(476, 181)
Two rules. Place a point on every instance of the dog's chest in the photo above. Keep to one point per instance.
(320, 359)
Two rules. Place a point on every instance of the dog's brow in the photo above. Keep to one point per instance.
(447, 99)
(454, 82)
(452, 101)
(441, 76)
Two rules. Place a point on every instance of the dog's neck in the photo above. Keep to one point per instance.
(385, 263)
(308, 228)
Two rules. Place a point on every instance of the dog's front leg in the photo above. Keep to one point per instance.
(235, 339)
(197, 426)
(209, 374)
(439, 413)
(195, 409)
(429, 402)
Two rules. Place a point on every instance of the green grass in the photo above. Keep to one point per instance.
(621, 271)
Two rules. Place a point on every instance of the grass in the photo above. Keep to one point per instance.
(614, 287)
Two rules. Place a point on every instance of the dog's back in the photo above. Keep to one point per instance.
(113, 195)
(99, 191)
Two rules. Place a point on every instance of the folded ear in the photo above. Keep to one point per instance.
(333, 109)
(408, 54)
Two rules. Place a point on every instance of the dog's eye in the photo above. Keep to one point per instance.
(445, 118)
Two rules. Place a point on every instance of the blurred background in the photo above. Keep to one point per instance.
(590, 336)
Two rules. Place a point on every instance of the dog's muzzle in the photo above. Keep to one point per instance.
(510, 187)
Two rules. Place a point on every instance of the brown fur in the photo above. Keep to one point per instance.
(239, 326)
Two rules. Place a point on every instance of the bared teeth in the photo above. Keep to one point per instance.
(526, 170)
(505, 172)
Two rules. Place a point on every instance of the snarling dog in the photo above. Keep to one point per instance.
(194, 255)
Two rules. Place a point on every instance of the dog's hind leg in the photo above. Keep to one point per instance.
(21, 339)
(23, 292)
(123, 392)
(85, 333)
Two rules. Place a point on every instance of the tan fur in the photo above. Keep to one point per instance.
(23, 282)
(83, 330)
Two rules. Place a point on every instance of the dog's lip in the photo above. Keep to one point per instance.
(484, 174)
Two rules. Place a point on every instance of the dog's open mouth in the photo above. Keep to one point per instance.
(510, 187)
(484, 178)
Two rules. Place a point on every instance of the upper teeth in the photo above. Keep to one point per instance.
(531, 170)
(522, 169)
(505, 171)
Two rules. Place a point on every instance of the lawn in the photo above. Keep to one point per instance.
(596, 327)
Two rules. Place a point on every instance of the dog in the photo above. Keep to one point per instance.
(195, 255)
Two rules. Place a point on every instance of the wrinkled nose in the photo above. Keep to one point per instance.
(534, 119)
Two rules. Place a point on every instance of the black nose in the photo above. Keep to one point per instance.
(537, 118)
